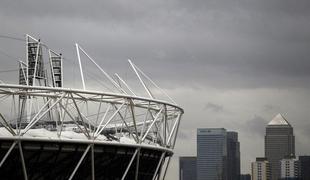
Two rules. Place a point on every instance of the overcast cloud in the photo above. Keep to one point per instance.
(229, 63)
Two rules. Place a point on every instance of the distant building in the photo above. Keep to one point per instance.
(279, 142)
(187, 168)
(289, 168)
(218, 154)
(245, 177)
(233, 156)
(304, 162)
(261, 169)
(211, 153)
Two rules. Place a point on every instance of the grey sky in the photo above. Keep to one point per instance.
(229, 63)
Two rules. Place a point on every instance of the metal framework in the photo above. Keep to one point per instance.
(35, 110)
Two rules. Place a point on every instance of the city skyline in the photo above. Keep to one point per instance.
(228, 63)
(279, 147)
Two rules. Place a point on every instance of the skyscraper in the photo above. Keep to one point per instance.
(187, 168)
(233, 156)
(218, 155)
(211, 153)
(279, 142)
(304, 167)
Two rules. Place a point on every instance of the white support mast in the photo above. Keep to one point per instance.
(140, 79)
(80, 65)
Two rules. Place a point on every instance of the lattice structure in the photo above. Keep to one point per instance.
(35, 64)
(64, 133)
(56, 68)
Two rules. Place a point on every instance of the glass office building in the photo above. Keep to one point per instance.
(218, 155)
(279, 142)
(187, 168)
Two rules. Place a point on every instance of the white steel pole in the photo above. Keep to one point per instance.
(61, 71)
(106, 74)
(173, 128)
(27, 73)
(127, 169)
(154, 84)
(7, 153)
(80, 162)
(125, 84)
(143, 84)
(80, 64)
(22, 160)
(155, 119)
(159, 165)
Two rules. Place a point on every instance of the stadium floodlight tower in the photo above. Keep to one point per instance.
(48, 131)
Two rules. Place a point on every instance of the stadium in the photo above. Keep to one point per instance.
(51, 131)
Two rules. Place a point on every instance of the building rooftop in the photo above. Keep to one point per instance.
(279, 120)
(261, 159)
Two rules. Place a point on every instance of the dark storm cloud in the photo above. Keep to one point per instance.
(69, 9)
(239, 43)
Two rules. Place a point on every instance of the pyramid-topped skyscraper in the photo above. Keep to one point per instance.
(279, 142)
(279, 120)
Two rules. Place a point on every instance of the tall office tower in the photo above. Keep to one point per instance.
(187, 168)
(218, 154)
(261, 169)
(289, 168)
(304, 162)
(233, 156)
(211, 154)
(279, 142)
